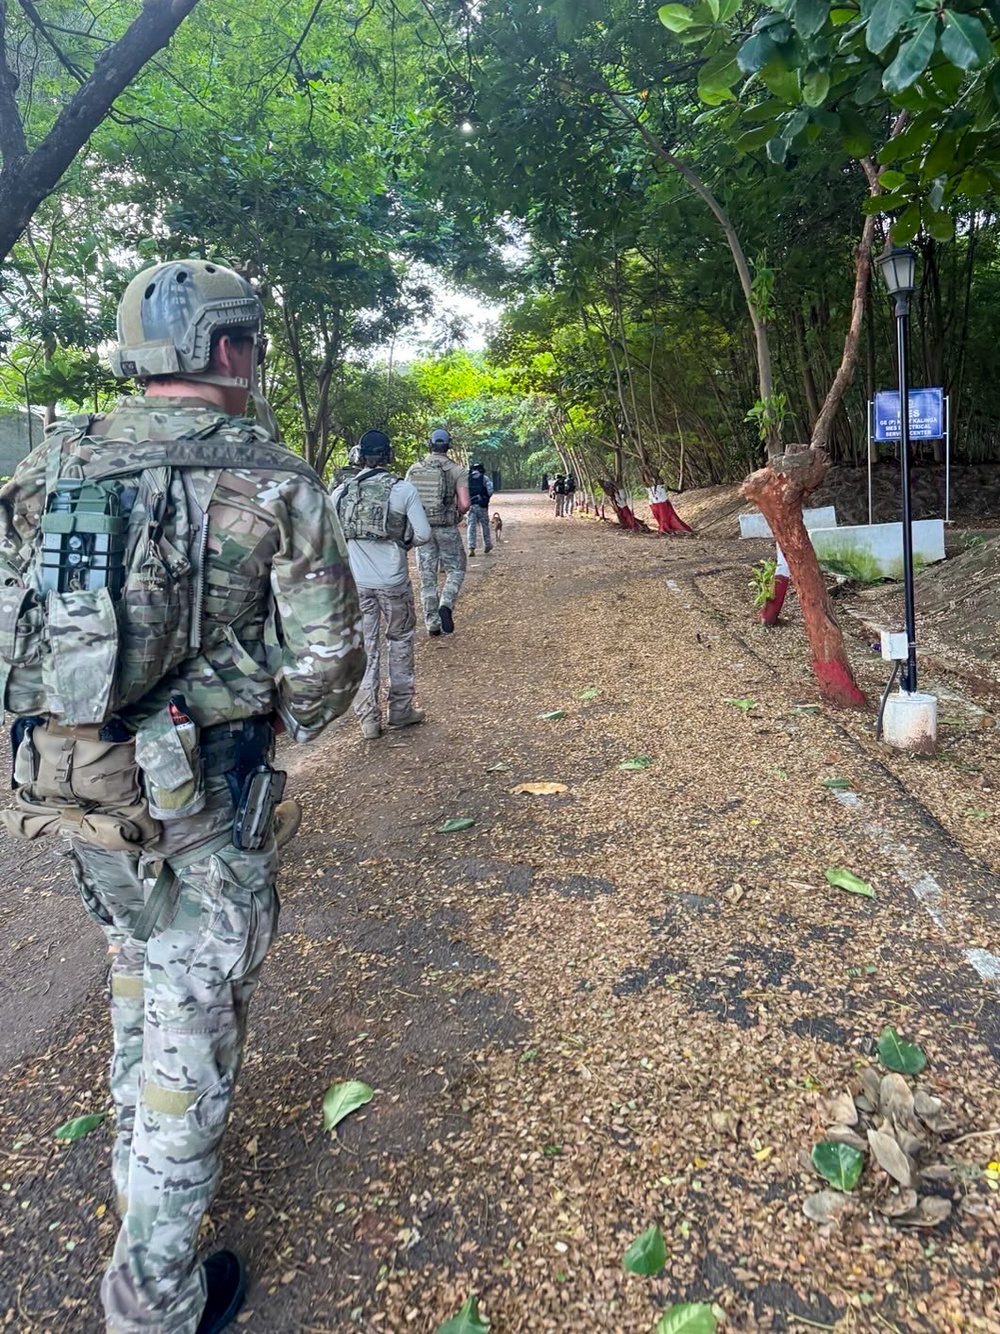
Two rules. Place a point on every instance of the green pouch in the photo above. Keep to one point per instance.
(80, 672)
(170, 759)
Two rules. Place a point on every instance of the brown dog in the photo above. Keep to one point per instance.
(496, 523)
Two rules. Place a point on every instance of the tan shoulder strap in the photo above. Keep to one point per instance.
(190, 452)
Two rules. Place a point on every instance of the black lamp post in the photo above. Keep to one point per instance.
(898, 265)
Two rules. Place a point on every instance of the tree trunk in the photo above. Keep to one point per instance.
(778, 492)
(823, 428)
(28, 178)
(762, 345)
(624, 512)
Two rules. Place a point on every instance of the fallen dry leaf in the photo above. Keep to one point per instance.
(890, 1157)
(898, 1202)
(540, 789)
(840, 1110)
(929, 1109)
(895, 1102)
(845, 1135)
(825, 1206)
(871, 1085)
(931, 1211)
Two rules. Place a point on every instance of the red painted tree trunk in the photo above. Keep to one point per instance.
(624, 512)
(667, 518)
(771, 609)
(778, 492)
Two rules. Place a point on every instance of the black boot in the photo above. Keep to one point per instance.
(226, 1279)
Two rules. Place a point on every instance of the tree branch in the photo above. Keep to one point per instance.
(28, 178)
(765, 378)
(38, 23)
(12, 141)
(848, 362)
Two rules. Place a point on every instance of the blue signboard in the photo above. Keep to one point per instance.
(926, 414)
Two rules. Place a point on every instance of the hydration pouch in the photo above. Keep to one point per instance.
(169, 756)
(253, 823)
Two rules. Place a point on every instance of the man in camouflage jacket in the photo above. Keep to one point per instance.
(280, 650)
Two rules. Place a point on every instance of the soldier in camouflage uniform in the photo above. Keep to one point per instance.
(443, 488)
(278, 648)
(382, 517)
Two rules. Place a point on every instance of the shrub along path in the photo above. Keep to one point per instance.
(591, 1011)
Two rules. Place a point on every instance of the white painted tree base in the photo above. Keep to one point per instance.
(910, 722)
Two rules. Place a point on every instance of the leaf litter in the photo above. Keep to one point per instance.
(899, 1154)
(706, 991)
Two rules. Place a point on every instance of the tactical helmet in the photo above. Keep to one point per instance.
(169, 313)
(375, 447)
(440, 440)
(476, 467)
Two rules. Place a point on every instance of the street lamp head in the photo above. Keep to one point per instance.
(898, 264)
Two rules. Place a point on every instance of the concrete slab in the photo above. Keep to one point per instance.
(869, 552)
(755, 525)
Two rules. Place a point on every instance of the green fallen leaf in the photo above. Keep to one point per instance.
(552, 716)
(744, 704)
(840, 1164)
(497, 768)
(904, 1057)
(837, 784)
(842, 879)
(468, 1320)
(777, 770)
(647, 1254)
(79, 1126)
(453, 826)
(637, 762)
(805, 708)
(688, 1318)
(343, 1098)
(591, 693)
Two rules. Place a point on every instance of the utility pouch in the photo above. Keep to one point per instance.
(81, 783)
(253, 823)
(169, 755)
(24, 769)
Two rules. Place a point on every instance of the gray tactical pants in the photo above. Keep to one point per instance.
(444, 551)
(478, 517)
(179, 1011)
(399, 615)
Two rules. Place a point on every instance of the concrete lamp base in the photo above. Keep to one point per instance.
(910, 722)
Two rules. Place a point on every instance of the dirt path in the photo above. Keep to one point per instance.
(591, 1011)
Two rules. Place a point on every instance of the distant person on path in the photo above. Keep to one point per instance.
(382, 517)
(570, 495)
(443, 488)
(480, 492)
(545, 482)
(667, 518)
(560, 495)
(223, 611)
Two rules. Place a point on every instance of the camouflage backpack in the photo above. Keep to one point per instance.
(433, 484)
(106, 600)
(363, 508)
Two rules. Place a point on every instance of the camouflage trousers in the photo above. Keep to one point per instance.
(397, 611)
(445, 552)
(478, 517)
(179, 1011)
